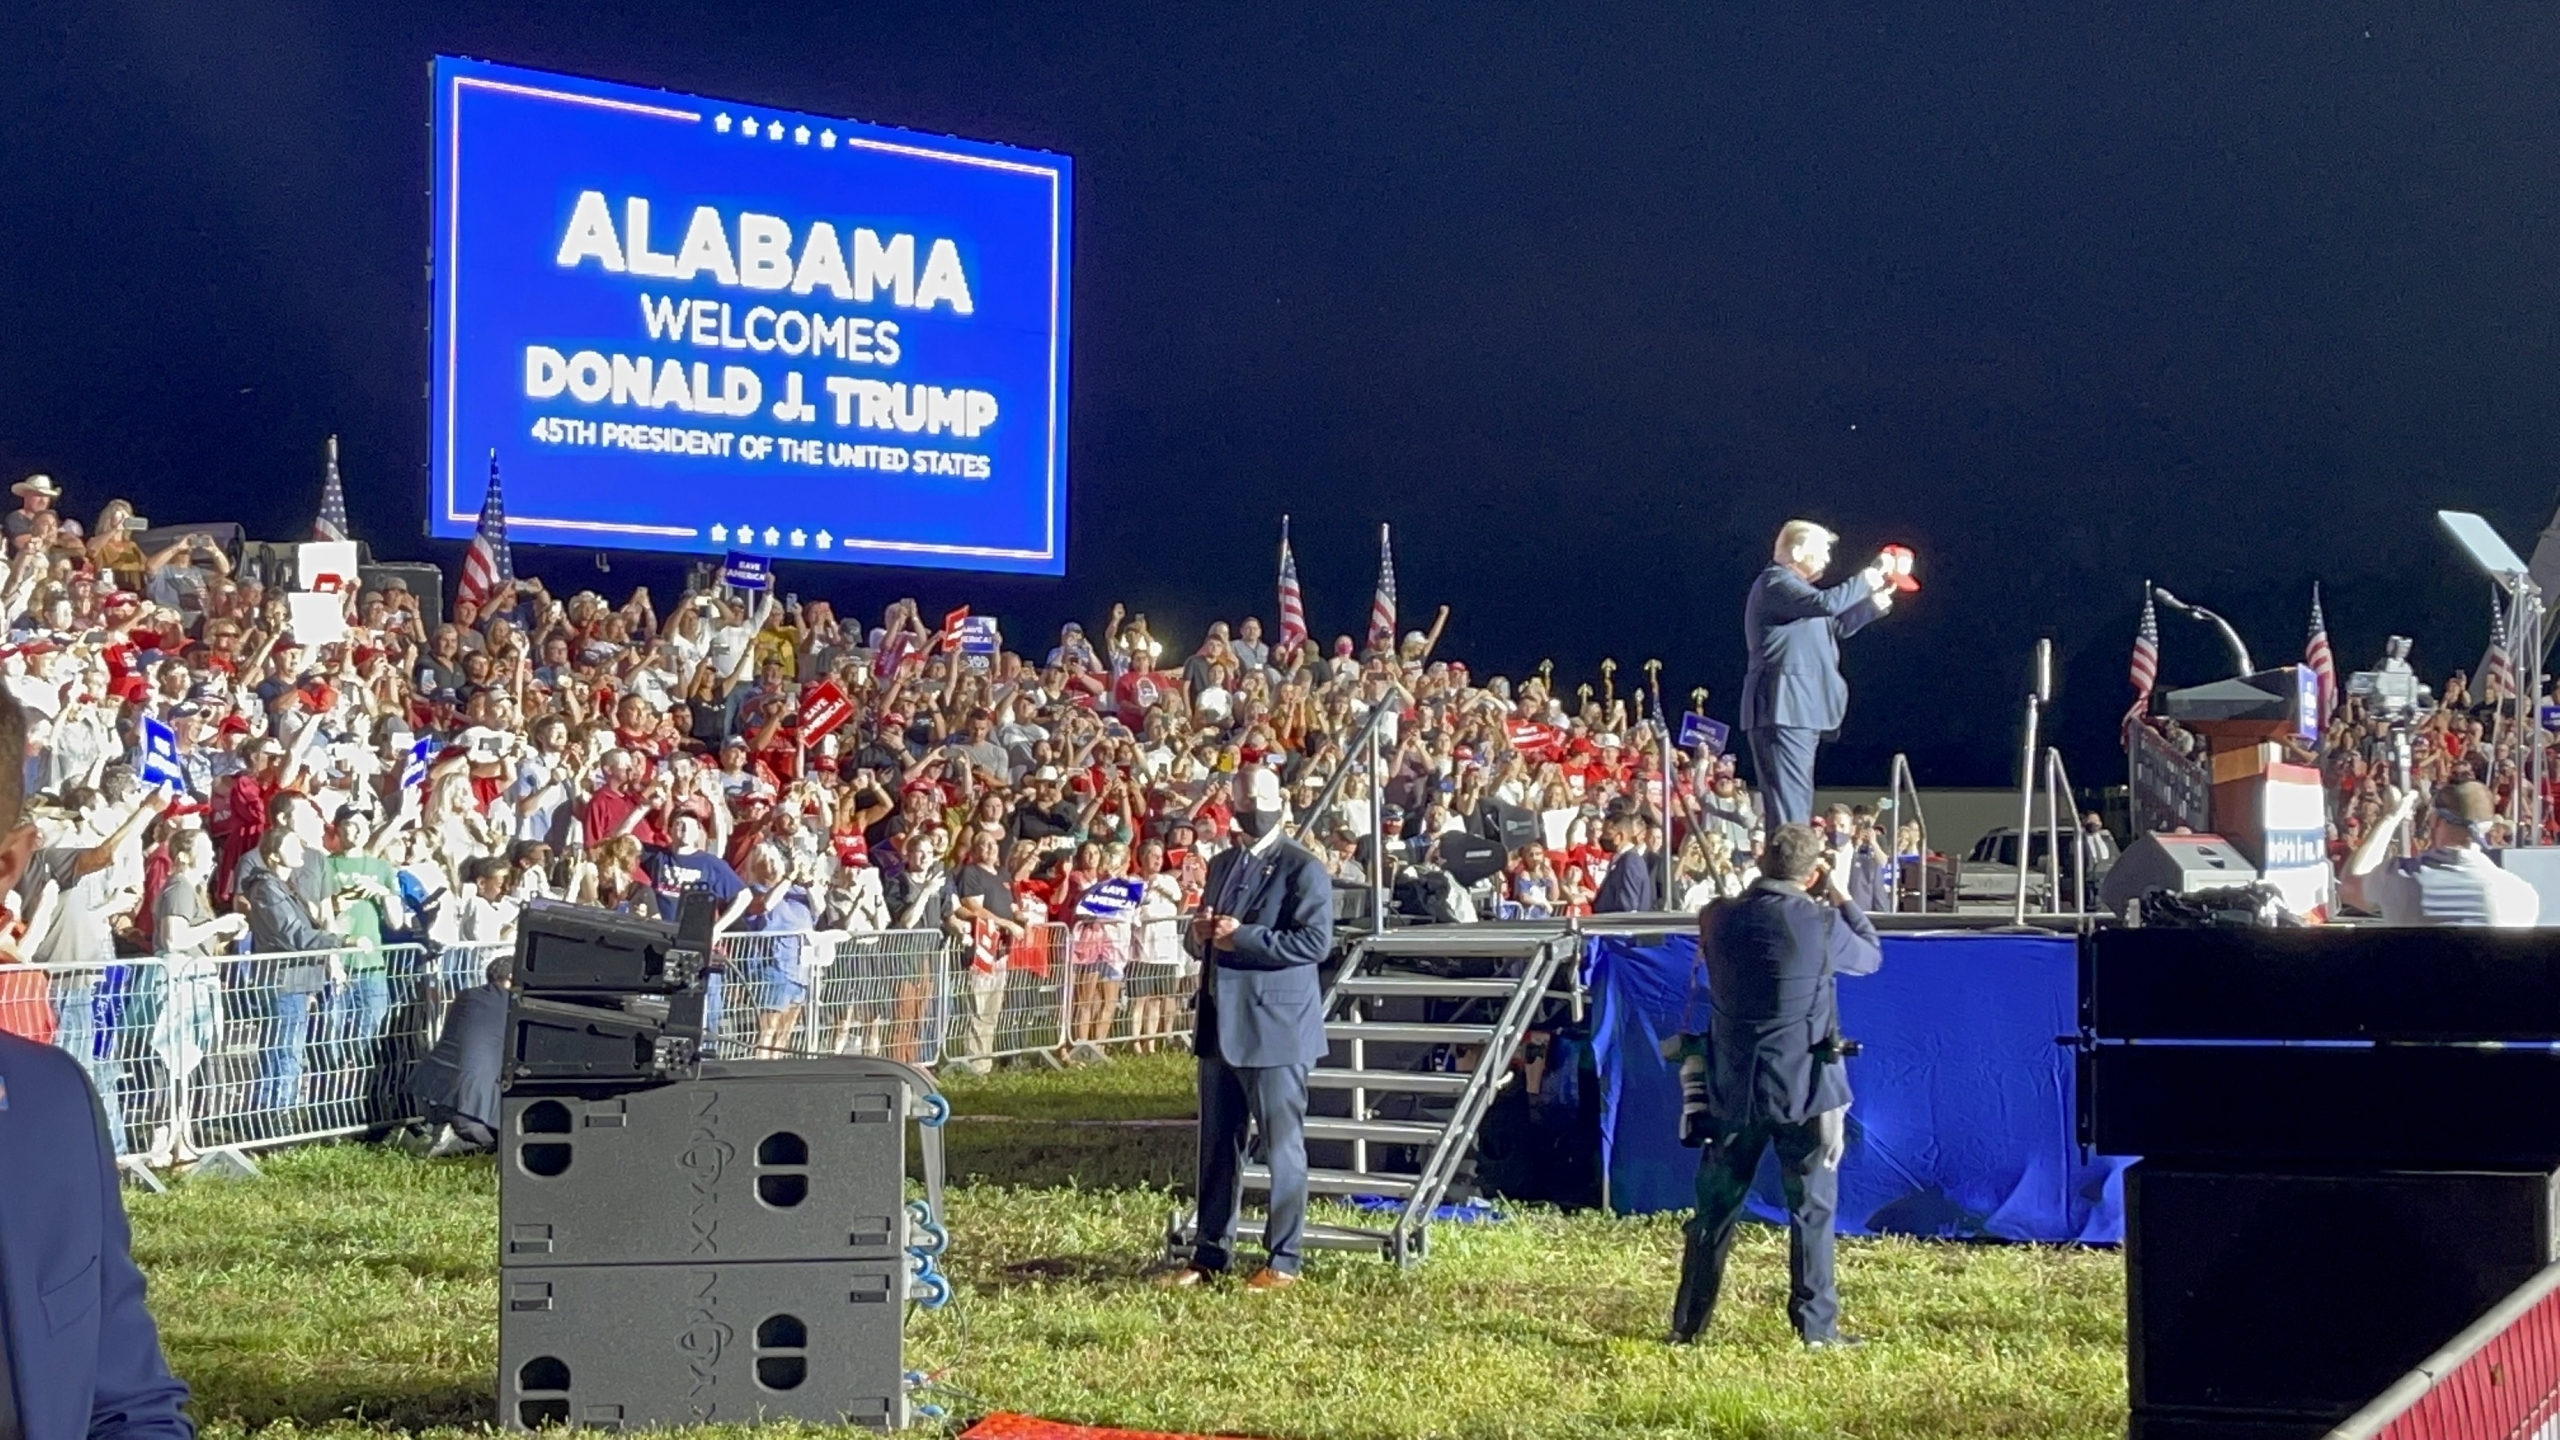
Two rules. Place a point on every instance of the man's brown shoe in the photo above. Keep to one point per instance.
(1186, 1277)
(1267, 1278)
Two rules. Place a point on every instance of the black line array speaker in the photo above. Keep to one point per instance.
(733, 1246)
(2179, 864)
(1470, 858)
(2268, 1305)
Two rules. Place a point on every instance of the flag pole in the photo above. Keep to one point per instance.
(2132, 767)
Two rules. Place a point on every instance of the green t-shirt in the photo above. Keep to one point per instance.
(362, 924)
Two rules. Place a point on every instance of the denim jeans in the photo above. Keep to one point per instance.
(284, 1027)
(75, 1001)
(359, 1009)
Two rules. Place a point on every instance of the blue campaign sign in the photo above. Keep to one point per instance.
(160, 755)
(1114, 899)
(978, 636)
(413, 771)
(2551, 718)
(748, 572)
(683, 323)
(1697, 730)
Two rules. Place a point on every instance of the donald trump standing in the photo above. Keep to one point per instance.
(1793, 698)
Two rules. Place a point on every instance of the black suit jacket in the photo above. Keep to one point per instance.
(1772, 955)
(461, 1072)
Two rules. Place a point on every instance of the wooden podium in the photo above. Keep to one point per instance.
(2257, 800)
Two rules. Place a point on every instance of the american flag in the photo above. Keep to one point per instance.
(489, 563)
(1382, 609)
(2315, 653)
(1293, 604)
(2497, 669)
(2146, 654)
(332, 524)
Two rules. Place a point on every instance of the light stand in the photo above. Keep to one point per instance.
(2508, 571)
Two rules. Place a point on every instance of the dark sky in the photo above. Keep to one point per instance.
(1583, 299)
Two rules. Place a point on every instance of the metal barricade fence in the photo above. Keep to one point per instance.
(1133, 983)
(242, 1052)
(236, 1052)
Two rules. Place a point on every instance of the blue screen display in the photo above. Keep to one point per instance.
(702, 326)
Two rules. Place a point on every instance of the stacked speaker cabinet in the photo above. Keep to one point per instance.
(2350, 1143)
(711, 1242)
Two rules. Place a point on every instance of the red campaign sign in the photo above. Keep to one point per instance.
(949, 639)
(823, 710)
(1541, 742)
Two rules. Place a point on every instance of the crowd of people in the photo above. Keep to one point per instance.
(2393, 734)
(417, 781)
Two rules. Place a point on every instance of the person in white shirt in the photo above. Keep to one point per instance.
(542, 782)
(732, 641)
(2453, 882)
(488, 913)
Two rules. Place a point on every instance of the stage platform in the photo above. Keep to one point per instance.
(1962, 1126)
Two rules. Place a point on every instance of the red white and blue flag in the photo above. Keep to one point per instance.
(2498, 669)
(2315, 653)
(1293, 603)
(332, 521)
(2146, 654)
(488, 564)
(1382, 608)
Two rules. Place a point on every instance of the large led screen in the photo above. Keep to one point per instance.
(702, 326)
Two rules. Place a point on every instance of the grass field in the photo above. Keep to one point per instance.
(355, 1289)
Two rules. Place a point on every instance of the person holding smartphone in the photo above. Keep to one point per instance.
(1264, 921)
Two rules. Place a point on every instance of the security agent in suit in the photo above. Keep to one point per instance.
(1265, 921)
(1630, 887)
(1776, 1075)
(1792, 695)
(456, 1085)
(79, 1356)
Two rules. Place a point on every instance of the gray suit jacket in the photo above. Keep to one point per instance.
(1792, 634)
(1260, 1003)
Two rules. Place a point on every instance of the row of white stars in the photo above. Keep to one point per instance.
(773, 130)
(773, 535)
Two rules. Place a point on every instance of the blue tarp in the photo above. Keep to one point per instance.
(1962, 1124)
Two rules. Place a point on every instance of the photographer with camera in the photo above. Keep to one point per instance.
(1773, 1074)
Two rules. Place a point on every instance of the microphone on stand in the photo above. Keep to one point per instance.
(2230, 637)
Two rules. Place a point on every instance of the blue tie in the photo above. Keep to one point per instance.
(1240, 882)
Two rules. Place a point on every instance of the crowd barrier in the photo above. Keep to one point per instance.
(227, 1054)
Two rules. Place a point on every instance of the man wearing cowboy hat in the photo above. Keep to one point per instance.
(36, 495)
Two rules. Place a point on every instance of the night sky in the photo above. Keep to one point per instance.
(1585, 300)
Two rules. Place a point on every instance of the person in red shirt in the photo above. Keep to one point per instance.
(610, 811)
(239, 816)
(636, 728)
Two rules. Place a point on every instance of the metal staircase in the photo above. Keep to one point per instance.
(1424, 1023)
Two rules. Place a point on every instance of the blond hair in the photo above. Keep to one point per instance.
(1794, 536)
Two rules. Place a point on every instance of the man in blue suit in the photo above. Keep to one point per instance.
(1792, 695)
(82, 1357)
(1776, 1074)
(1265, 921)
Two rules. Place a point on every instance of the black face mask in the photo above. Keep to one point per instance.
(1256, 823)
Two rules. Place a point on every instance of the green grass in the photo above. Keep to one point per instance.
(353, 1288)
